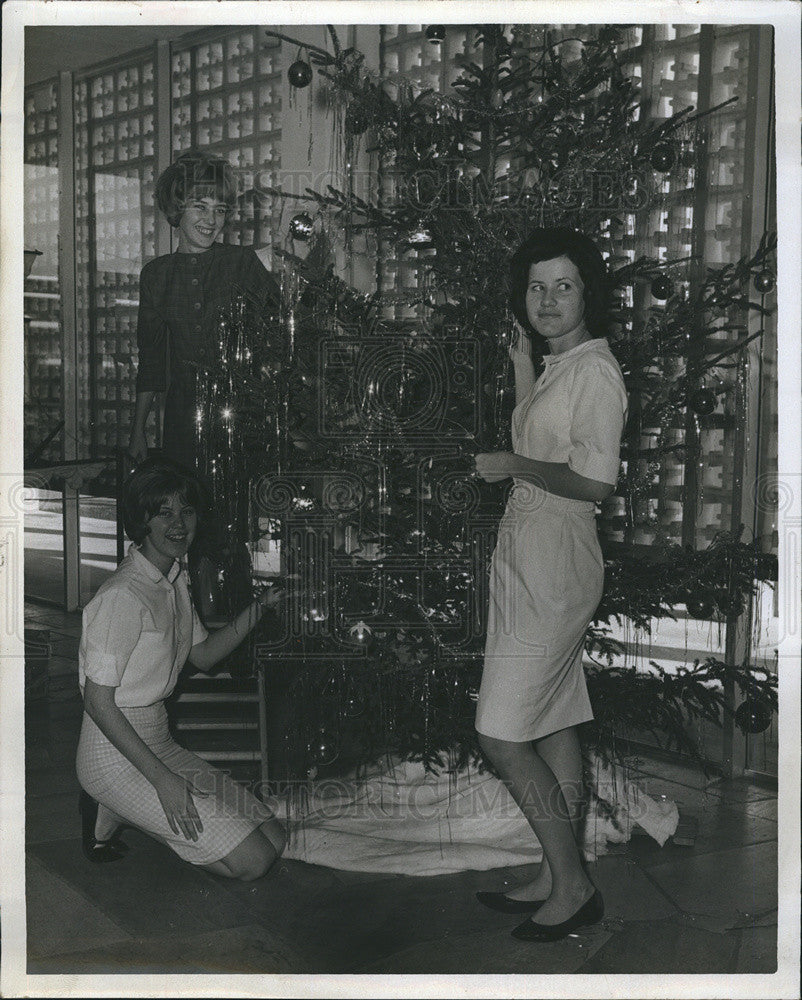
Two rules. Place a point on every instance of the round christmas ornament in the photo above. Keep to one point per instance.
(700, 605)
(662, 157)
(764, 282)
(703, 402)
(436, 33)
(300, 74)
(301, 226)
(355, 704)
(323, 749)
(753, 717)
(662, 286)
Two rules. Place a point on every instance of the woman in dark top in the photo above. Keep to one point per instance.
(182, 294)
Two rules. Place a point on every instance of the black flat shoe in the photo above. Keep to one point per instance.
(97, 851)
(498, 901)
(590, 912)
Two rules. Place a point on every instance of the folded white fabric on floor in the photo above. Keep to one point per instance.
(400, 820)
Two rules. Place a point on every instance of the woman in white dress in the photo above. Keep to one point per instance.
(547, 571)
(138, 632)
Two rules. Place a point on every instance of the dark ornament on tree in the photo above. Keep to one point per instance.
(357, 119)
(703, 402)
(730, 605)
(700, 605)
(436, 33)
(753, 716)
(662, 157)
(662, 286)
(301, 226)
(300, 74)
(764, 282)
(497, 99)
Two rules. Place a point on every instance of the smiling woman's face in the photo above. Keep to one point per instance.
(171, 532)
(200, 224)
(555, 302)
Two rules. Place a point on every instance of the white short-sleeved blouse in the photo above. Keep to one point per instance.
(137, 632)
(575, 412)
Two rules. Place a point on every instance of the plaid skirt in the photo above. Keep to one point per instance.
(229, 813)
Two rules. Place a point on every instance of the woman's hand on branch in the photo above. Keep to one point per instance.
(520, 349)
(175, 794)
(493, 466)
(271, 596)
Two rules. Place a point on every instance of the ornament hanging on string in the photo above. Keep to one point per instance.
(299, 74)
(753, 717)
(436, 33)
(662, 287)
(700, 605)
(301, 227)
(764, 282)
(703, 402)
(662, 157)
(355, 704)
(323, 749)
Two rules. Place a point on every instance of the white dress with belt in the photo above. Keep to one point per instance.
(547, 571)
(137, 632)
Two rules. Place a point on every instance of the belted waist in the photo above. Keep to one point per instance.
(527, 498)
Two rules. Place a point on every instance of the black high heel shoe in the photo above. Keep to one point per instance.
(590, 912)
(97, 851)
(503, 904)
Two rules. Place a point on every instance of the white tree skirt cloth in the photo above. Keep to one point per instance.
(399, 819)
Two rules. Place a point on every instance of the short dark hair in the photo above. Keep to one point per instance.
(149, 485)
(194, 174)
(546, 244)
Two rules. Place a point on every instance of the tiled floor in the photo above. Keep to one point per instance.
(711, 908)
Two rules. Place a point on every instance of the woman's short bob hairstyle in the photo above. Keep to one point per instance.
(194, 175)
(546, 244)
(148, 486)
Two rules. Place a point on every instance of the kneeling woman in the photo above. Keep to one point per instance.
(138, 632)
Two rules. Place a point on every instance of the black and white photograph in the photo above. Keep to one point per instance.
(400, 499)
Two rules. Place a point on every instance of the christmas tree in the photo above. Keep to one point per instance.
(371, 405)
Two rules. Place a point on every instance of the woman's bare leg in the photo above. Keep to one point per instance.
(562, 753)
(537, 792)
(254, 856)
(107, 822)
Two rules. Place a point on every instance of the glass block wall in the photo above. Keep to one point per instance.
(115, 135)
(44, 354)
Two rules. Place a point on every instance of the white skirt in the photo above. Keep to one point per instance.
(546, 581)
(228, 814)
